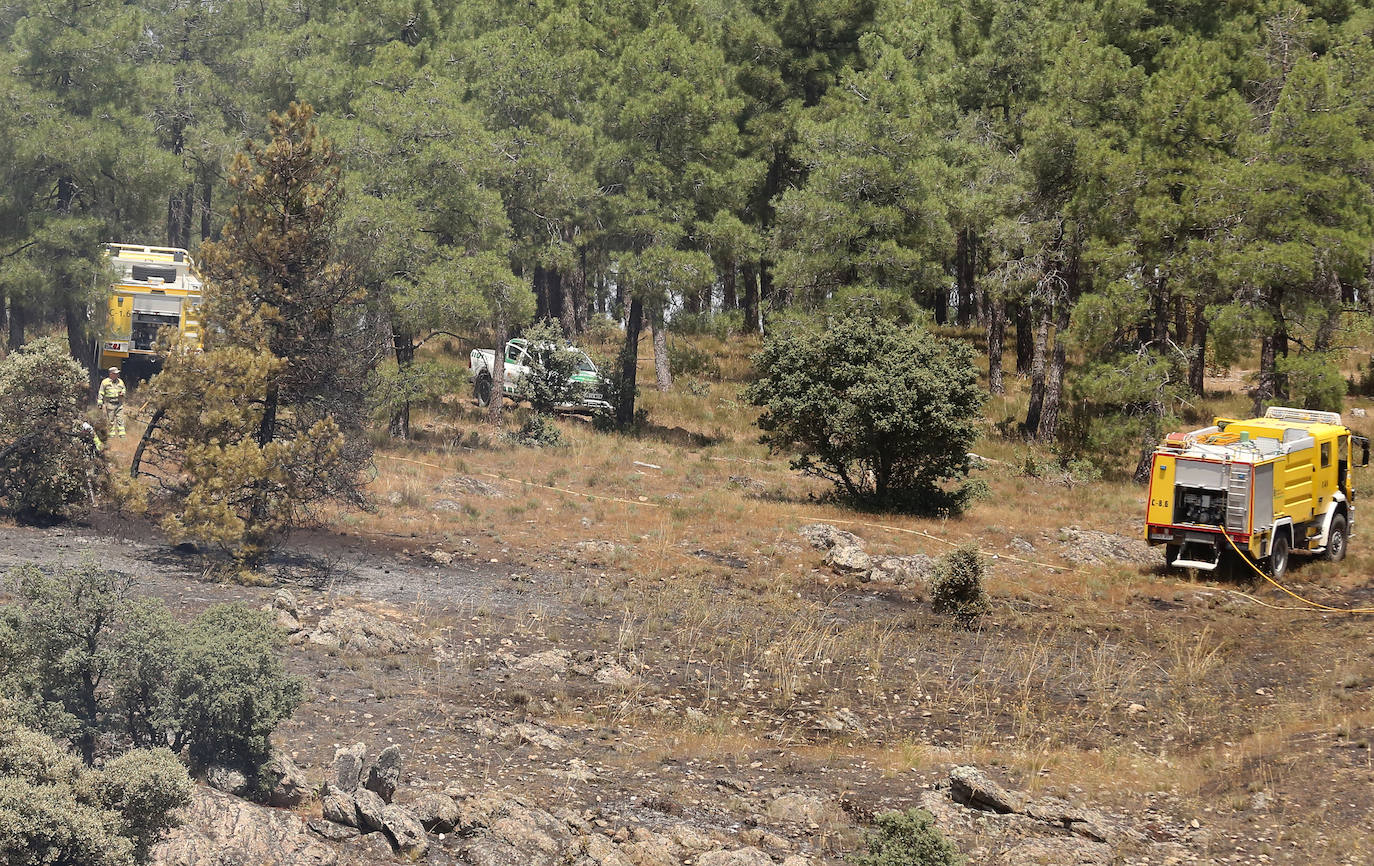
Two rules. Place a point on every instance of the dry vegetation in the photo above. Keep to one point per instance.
(1113, 683)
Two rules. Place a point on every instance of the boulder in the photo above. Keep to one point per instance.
(912, 570)
(348, 766)
(545, 664)
(372, 848)
(370, 808)
(286, 600)
(406, 834)
(339, 807)
(219, 829)
(289, 785)
(363, 632)
(226, 779)
(287, 622)
(823, 536)
(614, 675)
(800, 807)
(849, 559)
(384, 775)
(738, 857)
(332, 831)
(437, 813)
(970, 787)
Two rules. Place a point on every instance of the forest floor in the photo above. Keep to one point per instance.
(634, 626)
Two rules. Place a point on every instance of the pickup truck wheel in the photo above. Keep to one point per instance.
(1278, 556)
(481, 389)
(1336, 540)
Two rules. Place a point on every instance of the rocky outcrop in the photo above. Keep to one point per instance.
(1012, 827)
(1104, 548)
(289, 786)
(363, 632)
(849, 559)
(219, 829)
(823, 536)
(385, 774)
(348, 766)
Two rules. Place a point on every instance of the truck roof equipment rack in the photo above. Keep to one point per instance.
(1309, 416)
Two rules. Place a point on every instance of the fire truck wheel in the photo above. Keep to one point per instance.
(1336, 539)
(1171, 553)
(1278, 556)
(481, 389)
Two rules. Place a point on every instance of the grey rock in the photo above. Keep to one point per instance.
(385, 774)
(913, 570)
(406, 834)
(286, 600)
(287, 622)
(823, 536)
(290, 787)
(970, 787)
(333, 832)
(614, 675)
(547, 663)
(738, 857)
(849, 559)
(801, 807)
(370, 808)
(339, 807)
(437, 813)
(348, 766)
(226, 779)
(373, 848)
(363, 632)
(219, 829)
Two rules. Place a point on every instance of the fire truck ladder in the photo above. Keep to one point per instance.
(1238, 497)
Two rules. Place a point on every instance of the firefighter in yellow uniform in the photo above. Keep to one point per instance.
(111, 397)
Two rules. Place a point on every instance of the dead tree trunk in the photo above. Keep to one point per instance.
(1197, 359)
(1054, 383)
(1037, 375)
(662, 371)
(1025, 340)
(997, 329)
(629, 365)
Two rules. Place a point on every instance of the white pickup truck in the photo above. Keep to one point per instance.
(518, 362)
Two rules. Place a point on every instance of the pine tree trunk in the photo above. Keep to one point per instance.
(749, 276)
(940, 304)
(1197, 361)
(1054, 385)
(1264, 390)
(17, 324)
(1280, 353)
(79, 340)
(206, 196)
(180, 210)
(1180, 312)
(997, 329)
(580, 304)
(629, 365)
(1159, 332)
(567, 304)
(765, 294)
(728, 301)
(1025, 342)
(662, 371)
(403, 344)
(541, 294)
(498, 373)
(963, 276)
(1037, 375)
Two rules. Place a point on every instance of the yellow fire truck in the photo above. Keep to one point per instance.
(154, 287)
(1270, 485)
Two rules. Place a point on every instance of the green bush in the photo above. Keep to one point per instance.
(49, 464)
(84, 661)
(885, 412)
(54, 810)
(548, 380)
(539, 431)
(956, 589)
(1314, 380)
(907, 839)
(684, 359)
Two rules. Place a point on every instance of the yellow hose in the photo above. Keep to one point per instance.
(1314, 605)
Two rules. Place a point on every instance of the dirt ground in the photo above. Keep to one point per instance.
(1193, 713)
